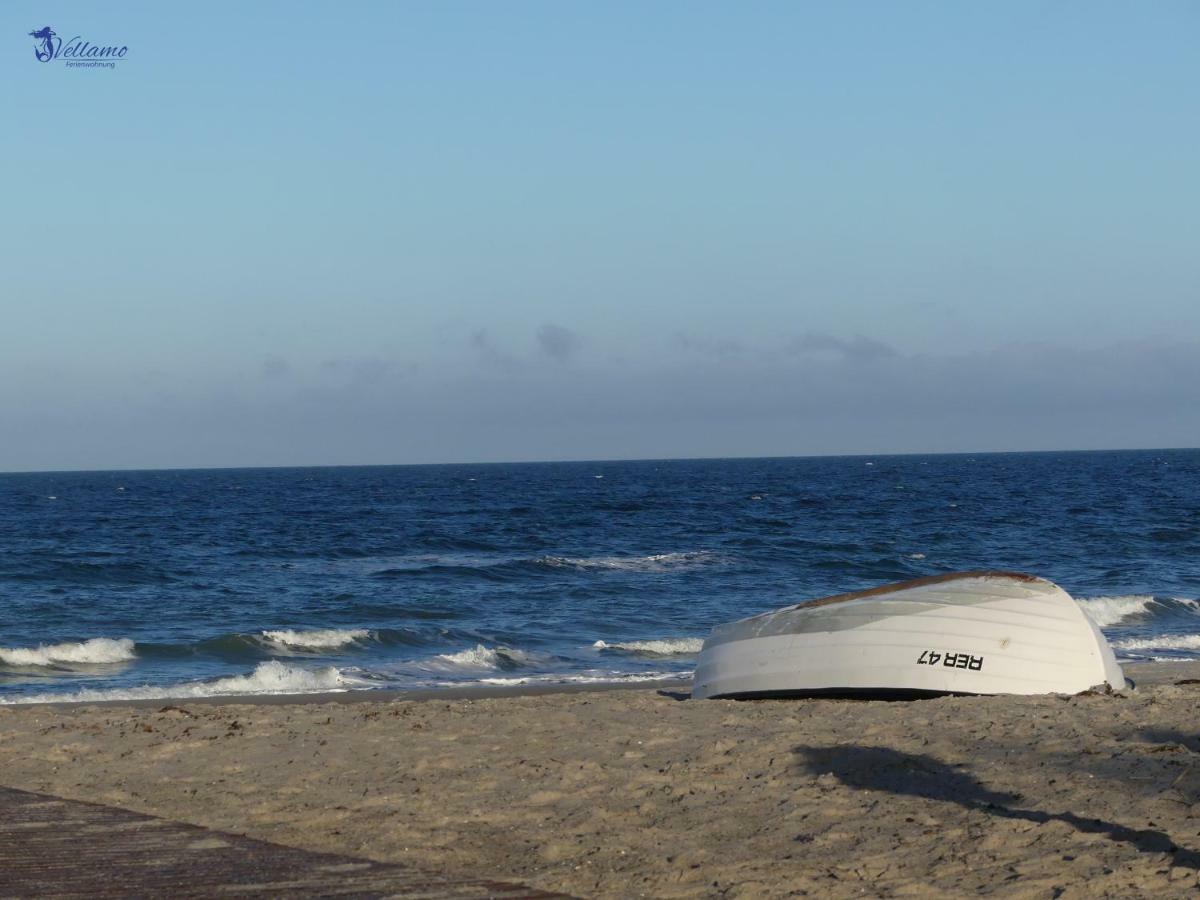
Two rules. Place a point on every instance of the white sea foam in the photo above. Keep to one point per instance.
(661, 647)
(480, 657)
(1106, 611)
(274, 677)
(655, 562)
(94, 651)
(270, 677)
(603, 678)
(1160, 642)
(317, 639)
(916, 556)
(1163, 659)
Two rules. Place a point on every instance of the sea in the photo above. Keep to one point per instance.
(180, 584)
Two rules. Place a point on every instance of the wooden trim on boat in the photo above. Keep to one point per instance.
(920, 582)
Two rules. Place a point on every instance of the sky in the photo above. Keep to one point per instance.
(407, 232)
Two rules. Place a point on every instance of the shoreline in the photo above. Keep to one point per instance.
(1141, 673)
(372, 695)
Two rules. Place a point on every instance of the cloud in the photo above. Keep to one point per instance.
(275, 367)
(486, 349)
(709, 346)
(557, 342)
(858, 348)
(360, 370)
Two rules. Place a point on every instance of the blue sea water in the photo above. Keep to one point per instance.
(207, 582)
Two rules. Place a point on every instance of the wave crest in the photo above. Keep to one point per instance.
(1105, 611)
(1160, 642)
(482, 657)
(273, 677)
(660, 647)
(270, 677)
(94, 651)
(316, 639)
(585, 678)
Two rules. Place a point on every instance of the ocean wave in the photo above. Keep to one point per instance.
(1105, 611)
(86, 572)
(511, 568)
(481, 657)
(660, 647)
(273, 677)
(1160, 642)
(587, 678)
(493, 570)
(1108, 611)
(656, 562)
(316, 639)
(94, 651)
(436, 540)
(288, 642)
(381, 565)
(270, 677)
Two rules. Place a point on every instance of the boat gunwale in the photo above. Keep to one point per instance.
(924, 582)
(898, 586)
(941, 613)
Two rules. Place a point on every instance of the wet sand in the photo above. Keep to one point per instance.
(638, 793)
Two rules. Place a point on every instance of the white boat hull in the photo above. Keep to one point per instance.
(968, 633)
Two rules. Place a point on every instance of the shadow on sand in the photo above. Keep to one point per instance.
(1189, 742)
(883, 769)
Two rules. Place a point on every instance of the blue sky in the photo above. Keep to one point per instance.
(297, 233)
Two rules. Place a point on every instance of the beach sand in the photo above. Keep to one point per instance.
(638, 793)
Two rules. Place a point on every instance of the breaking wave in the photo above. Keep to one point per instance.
(661, 647)
(481, 657)
(1107, 611)
(586, 678)
(287, 642)
(273, 677)
(270, 677)
(317, 639)
(1160, 642)
(95, 651)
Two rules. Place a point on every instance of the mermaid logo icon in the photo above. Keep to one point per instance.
(75, 53)
(46, 48)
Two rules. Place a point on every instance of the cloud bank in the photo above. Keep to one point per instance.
(802, 394)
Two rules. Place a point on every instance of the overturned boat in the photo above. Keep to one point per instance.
(963, 633)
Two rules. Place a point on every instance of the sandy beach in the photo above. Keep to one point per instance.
(640, 793)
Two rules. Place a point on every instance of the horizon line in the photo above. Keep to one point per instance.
(598, 461)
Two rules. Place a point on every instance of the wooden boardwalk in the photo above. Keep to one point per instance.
(50, 847)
